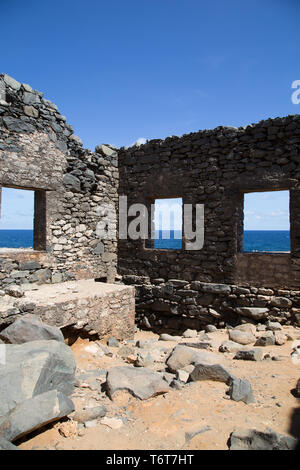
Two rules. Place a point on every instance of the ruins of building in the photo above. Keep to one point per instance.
(74, 189)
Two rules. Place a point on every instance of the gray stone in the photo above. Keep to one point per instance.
(113, 342)
(241, 337)
(190, 334)
(210, 328)
(89, 414)
(166, 337)
(34, 368)
(183, 356)
(281, 302)
(30, 328)
(31, 111)
(6, 445)
(265, 340)
(253, 312)
(76, 139)
(214, 372)
(71, 182)
(31, 98)
(35, 413)
(14, 291)
(229, 346)
(211, 287)
(253, 439)
(107, 150)
(29, 266)
(17, 125)
(273, 326)
(247, 327)
(142, 383)
(11, 82)
(255, 354)
(241, 390)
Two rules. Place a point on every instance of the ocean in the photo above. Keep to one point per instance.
(254, 240)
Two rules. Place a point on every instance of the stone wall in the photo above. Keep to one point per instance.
(73, 189)
(214, 168)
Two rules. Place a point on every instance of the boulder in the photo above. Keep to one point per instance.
(229, 346)
(14, 291)
(265, 340)
(182, 356)
(30, 328)
(273, 326)
(34, 368)
(253, 439)
(190, 334)
(142, 383)
(214, 372)
(280, 338)
(34, 413)
(255, 354)
(241, 390)
(210, 328)
(248, 327)
(241, 337)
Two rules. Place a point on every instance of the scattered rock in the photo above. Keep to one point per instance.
(252, 439)
(255, 354)
(229, 346)
(182, 356)
(35, 368)
(210, 328)
(14, 291)
(166, 337)
(30, 328)
(241, 337)
(89, 414)
(265, 340)
(182, 375)
(280, 338)
(241, 390)
(247, 327)
(273, 326)
(211, 372)
(142, 383)
(35, 413)
(68, 429)
(190, 334)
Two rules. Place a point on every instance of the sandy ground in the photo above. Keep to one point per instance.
(162, 422)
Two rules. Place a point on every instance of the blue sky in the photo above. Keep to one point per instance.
(122, 71)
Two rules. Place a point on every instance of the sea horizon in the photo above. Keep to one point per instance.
(254, 240)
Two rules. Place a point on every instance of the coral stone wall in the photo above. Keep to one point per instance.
(214, 168)
(73, 189)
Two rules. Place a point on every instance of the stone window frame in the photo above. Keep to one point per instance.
(149, 243)
(240, 221)
(39, 218)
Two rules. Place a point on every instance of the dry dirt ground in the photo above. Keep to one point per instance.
(162, 422)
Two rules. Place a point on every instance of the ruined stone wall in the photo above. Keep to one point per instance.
(73, 189)
(214, 168)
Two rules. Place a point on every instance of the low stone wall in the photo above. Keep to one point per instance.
(92, 307)
(178, 304)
